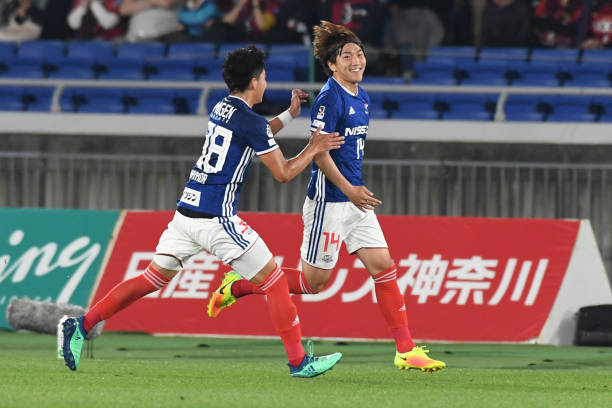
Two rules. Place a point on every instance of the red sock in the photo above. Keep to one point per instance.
(283, 314)
(295, 279)
(393, 308)
(122, 295)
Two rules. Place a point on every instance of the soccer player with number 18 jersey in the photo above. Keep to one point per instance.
(206, 219)
(338, 207)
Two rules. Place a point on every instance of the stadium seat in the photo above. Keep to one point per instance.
(570, 108)
(208, 69)
(22, 68)
(553, 55)
(383, 80)
(178, 51)
(377, 107)
(37, 98)
(594, 75)
(508, 55)
(124, 69)
(429, 73)
(603, 106)
(450, 54)
(93, 100)
(7, 50)
(596, 56)
(535, 74)
(412, 105)
(526, 108)
(463, 106)
(225, 48)
(489, 72)
(11, 98)
(91, 50)
(41, 50)
(162, 101)
(68, 67)
(141, 51)
(170, 70)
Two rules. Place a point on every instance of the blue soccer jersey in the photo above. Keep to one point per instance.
(337, 109)
(235, 134)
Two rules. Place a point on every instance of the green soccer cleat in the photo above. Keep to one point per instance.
(222, 297)
(417, 358)
(313, 366)
(74, 336)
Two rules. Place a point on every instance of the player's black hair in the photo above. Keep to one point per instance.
(329, 39)
(241, 65)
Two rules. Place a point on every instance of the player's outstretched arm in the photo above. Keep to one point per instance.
(284, 170)
(359, 195)
(298, 97)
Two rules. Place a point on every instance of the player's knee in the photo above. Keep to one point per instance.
(318, 283)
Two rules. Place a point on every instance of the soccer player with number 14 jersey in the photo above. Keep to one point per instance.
(338, 207)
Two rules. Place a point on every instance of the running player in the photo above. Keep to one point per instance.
(338, 205)
(206, 213)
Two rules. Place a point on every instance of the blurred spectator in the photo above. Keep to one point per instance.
(505, 23)
(467, 22)
(200, 20)
(293, 20)
(250, 19)
(364, 17)
(600, 33)
(96, 19)
(556, 22)
(412, 31)
(21, 26)
(150, 20)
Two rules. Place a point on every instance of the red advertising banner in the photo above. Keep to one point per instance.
(464, 279)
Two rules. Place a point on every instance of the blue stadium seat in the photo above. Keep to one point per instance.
(450, 54)
(11, 98)
(171, 70)
(570, 108)
(141, 51)
(208, 69)
(68, 67)
(162, 101)
(553, 55)
(503, 54)
(490, 72)
(429, 73)
(41, 50)
(412, 105)
(594, 75)
(596, 56)
(535, 74)
(280, 75)
(37, 98)
(377, 108)
(7, 50)
(465, 106)
(124, 69)
(603, 105)
(525, 108)
(22, 68)
(93, 100)
(177, 51)
(91, 50)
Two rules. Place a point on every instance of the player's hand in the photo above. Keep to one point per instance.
(298, 97)
(363, 198)
(326, 141)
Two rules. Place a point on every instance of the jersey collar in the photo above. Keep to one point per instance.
(237, 97)
(345, 88)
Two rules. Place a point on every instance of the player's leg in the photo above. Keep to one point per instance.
(367, 241)
(173, 246)
(272, 281)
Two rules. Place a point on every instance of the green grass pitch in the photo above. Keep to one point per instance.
(137, 370)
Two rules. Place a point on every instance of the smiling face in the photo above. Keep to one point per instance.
(349, 66)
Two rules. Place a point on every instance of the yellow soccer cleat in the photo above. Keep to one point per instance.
(222, 297)
(417, 358)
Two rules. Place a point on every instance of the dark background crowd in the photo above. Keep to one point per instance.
(390, 29)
